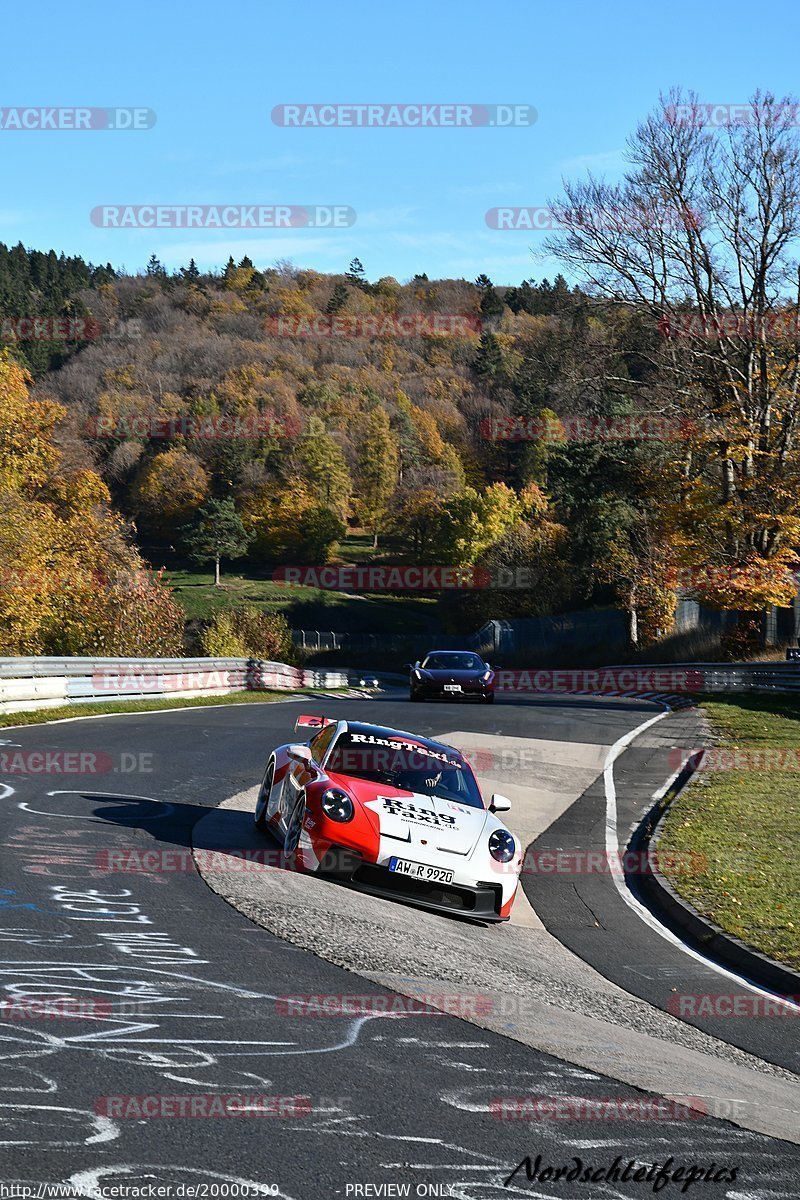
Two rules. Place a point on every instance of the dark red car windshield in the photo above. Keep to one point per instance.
(406, 764)
(453, 662)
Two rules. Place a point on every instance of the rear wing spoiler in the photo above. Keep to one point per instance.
(306, 722)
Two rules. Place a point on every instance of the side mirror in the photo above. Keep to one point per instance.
(499, 803)
(406, 666)
(300, 752)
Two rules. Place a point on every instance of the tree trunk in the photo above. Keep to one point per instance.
(633, 627)
(375, 540)
(216, 572)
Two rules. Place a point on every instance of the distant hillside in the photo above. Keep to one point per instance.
(36, 285)
(526, 432)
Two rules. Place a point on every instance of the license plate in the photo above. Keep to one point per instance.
(452, 687)
(420, 871)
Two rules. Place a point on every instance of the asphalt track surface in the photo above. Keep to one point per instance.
(586, 913)
(193, 1008)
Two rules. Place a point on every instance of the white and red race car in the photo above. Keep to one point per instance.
(398, 815)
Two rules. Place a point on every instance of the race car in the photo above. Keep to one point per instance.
(396, 814)
(451, 675)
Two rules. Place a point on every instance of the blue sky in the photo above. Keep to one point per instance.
(213, 73)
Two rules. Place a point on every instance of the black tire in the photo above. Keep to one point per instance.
(260, 815)
(414, 697)
(294, 826)
(489, 699)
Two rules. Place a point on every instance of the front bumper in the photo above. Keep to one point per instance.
(481, 902)
(436, 691)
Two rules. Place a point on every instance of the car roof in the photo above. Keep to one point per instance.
(383, 731)
(473, 652)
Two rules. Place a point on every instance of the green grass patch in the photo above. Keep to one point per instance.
(737, 832)
(42, 715)
(303, 607)
(196, 593)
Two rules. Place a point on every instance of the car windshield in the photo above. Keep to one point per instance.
(406, 764)
(453, 662)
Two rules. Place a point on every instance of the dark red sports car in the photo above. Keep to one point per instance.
(452, 675)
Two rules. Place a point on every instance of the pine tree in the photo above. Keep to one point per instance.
(356, 274)
(216, 533)
(488, 362)
(337, 300)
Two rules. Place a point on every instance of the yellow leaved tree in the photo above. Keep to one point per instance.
(70, 582)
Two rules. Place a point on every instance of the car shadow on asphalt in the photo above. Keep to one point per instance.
(237, 846)
(540, 700)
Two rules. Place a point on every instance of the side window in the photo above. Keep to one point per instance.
(320, 743)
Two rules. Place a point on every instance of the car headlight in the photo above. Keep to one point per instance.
(418, 673)
(502, 846)
(337, 805)
(486, 676)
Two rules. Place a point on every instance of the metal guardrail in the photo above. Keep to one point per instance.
(36, 683)
(778, 677)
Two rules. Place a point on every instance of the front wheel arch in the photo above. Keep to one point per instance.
(294, 824)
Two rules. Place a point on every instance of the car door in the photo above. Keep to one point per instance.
(300, 774)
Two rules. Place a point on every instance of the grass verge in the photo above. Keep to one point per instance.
(134, 705)
(737, 831)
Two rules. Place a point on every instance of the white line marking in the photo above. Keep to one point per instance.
(613, 853)
(167, 808)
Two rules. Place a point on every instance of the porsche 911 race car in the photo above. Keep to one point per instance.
(396, 814)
